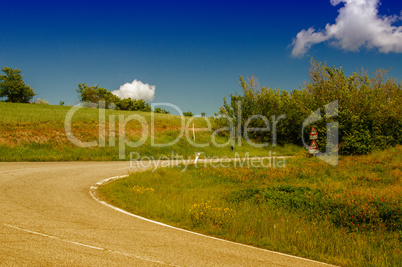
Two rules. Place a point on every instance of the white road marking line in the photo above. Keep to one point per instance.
(54, 237)
(88, 246)
(94, 188)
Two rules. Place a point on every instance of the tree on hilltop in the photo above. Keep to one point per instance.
(13, 87)
(95, 94)
(188, 114)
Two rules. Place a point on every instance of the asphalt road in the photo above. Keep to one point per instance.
(48, 217)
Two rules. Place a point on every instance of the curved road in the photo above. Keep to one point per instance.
(48, 217)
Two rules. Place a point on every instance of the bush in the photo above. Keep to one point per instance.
(188, 114)
(351, 211)
(41, 101)
(94, 96)
(161, 110)
(369, 111)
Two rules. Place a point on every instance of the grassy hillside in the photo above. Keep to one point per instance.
(32, 132)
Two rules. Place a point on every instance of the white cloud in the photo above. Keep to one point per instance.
(357, 25)
(136, 90)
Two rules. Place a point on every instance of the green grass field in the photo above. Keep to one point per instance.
(32, 132)
(349, 215)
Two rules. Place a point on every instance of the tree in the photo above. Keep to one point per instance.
(188, 114)
(13, 87)
(95, 94)
(161, 110)
(132, 104)
(369, 112)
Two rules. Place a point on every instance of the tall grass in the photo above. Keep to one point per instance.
(348, 215)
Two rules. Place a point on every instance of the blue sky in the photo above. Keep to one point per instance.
(192, 51)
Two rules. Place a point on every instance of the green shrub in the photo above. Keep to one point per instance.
(353, 212)
(369, 109)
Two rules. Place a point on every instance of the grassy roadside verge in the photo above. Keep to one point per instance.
(32, 132)
(348, 215)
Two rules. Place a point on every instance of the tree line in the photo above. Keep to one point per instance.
(95, 94)
(14, 89)
(369, 109)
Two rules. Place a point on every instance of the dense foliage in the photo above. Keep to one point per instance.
(188, 114)
(96, 95)
(369, 111)
(161, 110)
(13, 87)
